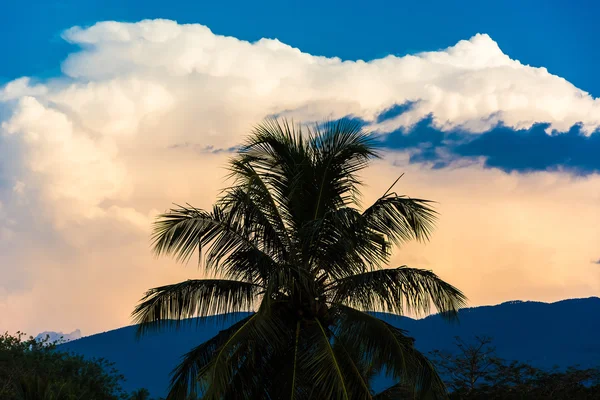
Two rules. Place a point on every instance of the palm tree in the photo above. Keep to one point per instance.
(289, 242)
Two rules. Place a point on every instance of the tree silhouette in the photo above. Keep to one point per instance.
(140, 394)
(290, 241)
(475, 372)
(33, 369)
(469, 367)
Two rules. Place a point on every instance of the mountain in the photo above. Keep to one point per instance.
(59, 336)
(543, 334)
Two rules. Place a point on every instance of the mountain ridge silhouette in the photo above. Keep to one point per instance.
(561, 334)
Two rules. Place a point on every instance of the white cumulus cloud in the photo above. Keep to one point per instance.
(461, 85)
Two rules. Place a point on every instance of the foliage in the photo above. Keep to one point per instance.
(470, 367)
(290, 241)
(36, 370)
(475, 372)
(140, 394)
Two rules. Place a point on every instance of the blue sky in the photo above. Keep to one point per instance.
(557, 34)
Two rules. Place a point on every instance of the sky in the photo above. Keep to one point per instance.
(111, 112)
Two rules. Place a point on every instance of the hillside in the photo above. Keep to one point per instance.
(544, 334)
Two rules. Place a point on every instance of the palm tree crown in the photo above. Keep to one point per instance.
(289, 242)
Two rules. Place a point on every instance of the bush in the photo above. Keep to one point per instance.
(32, 369)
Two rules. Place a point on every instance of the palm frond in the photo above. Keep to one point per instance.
(341, 149)
(342, 244)
(245, 209)
(354, 366)
(226, 366)
(276, 150)
(272, 206)
(394, 393)
(320, 364)
(249, 265)
(345, 241)
(313, 173)
(193, 298)
(401, 218)
(399, 290)
(262, 340)
(388, 349)
(295, 365)
(186, 378)
(184, 230)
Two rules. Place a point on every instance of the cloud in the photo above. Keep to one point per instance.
(503, 147)
(472, 84)
(146, 114)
